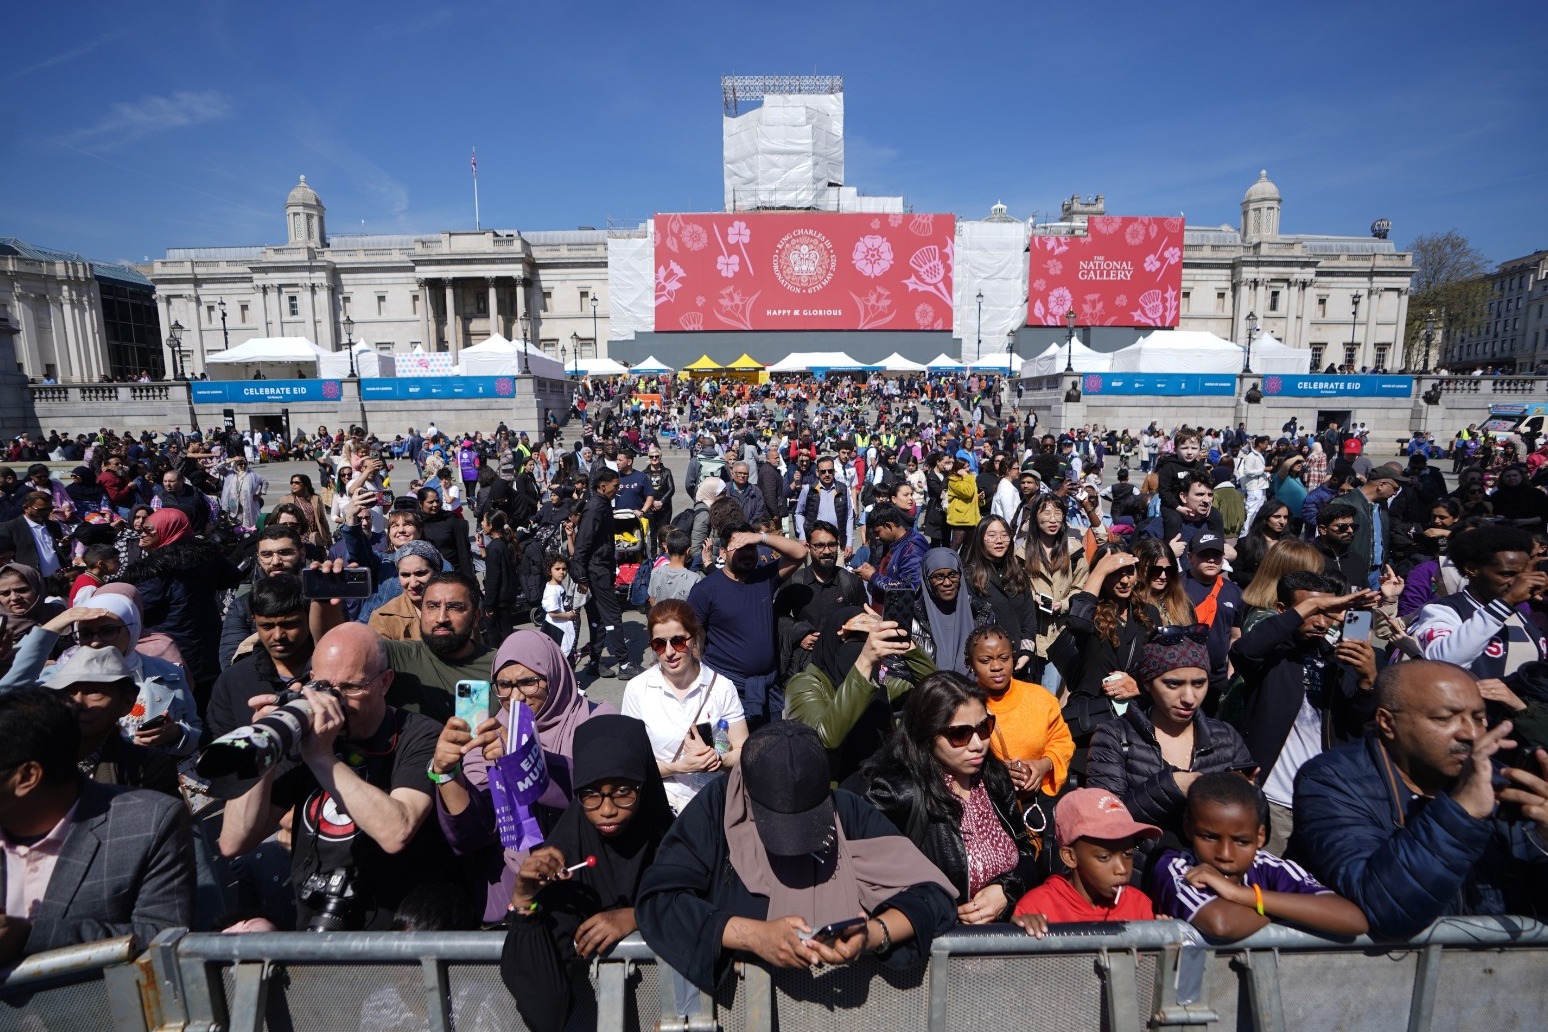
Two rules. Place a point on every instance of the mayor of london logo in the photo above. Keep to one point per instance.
(804, 261)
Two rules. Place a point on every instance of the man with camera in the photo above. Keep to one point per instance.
(358, 799)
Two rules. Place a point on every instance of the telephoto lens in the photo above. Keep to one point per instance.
(254, 749)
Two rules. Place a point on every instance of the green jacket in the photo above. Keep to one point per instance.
(840, 716)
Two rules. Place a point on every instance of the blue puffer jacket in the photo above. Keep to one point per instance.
(1403, 859)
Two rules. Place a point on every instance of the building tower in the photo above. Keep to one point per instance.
(304, 217)
(1260, 211)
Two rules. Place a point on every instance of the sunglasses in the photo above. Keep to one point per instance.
(679, 643)
(1172, 635)
(1161, 571)
(959, 735)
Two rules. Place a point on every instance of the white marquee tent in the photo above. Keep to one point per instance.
(1179, 351)
(944, 362)
(1053, 359)
(810, 361)
(295, 352)
(500, 357)
(652, 365)
(998, 362)
(896, 363)
(598, 367)
(1270, 356)
(369, 363)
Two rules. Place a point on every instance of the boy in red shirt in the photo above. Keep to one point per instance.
(1096, 842)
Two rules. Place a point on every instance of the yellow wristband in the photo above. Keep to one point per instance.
(1257, 894)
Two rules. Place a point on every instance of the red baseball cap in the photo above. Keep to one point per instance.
(1096, 813)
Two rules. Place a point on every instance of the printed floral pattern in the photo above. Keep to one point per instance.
(1124, 272)
(873, 255)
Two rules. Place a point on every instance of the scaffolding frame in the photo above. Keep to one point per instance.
(739, 90)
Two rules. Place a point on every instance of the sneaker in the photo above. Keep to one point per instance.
(606, 671)
(627, 670)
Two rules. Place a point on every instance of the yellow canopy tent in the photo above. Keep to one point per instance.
(748, 369)
(705, 366)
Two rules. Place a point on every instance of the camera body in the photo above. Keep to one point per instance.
(334, 902)
(254, 749)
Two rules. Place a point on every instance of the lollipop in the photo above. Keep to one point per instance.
(590, 861)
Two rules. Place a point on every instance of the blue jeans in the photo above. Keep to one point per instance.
(763, 699)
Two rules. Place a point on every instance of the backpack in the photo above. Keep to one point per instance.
(683, 521)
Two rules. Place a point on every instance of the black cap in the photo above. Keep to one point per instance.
(785, 769)
(1207, 543)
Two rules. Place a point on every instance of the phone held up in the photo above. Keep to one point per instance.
(353, 582)
(898, 606)
(472, 700)
(1357, 625)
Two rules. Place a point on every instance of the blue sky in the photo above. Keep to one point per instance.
(129, 130)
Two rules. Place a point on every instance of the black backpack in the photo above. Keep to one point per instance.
(683, 521)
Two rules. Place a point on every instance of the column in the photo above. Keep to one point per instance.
(451, 319)
(494, 308)
(1372, 317)
(263, 308)
(332, 340)
(311, 312)
(57, 342)
(1303, 289)
(424, 316)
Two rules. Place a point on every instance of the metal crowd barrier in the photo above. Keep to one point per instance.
(1162, 975)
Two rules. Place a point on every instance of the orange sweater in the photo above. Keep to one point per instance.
(1029, 726)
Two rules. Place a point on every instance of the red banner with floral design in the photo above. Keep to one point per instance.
(804, 271)
(1126, 271)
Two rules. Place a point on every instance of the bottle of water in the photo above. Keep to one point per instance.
(722, 736)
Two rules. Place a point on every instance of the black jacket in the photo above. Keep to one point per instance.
(501, 585)
(595, 564)
(17, 534)
(933, 526)
(1126, 760)
(1016, 614)
(1096, 657)
(179, 584)
(1272, 662)
(894, 793)
(227, 710)
(1170, 471)
(773, 487)
(793, 608)
(448, 532)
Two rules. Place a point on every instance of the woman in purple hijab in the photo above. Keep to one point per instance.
(528, 669)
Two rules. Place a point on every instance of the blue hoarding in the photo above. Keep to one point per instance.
(422, 387)
(255, 392)
(1159, 383)
(1332, 386)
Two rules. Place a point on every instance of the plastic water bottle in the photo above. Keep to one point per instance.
(722, 736)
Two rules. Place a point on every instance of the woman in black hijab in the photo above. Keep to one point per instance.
(619, 816)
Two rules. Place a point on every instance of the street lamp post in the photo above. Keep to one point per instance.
(1252, 331)
(175, 343)
(564, 358)
(225, 337)
(980, 351)
(1069, 342)
(596, 343)
(575, 344)
(1429, 338)
(1354, 315)
(349, 345)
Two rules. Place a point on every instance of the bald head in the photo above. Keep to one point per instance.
(350, 653)
(1429, 715)
(1415, 683)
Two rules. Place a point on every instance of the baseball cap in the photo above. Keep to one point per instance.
(1206, 543)
(785, 769)
(1095, 813)
(90, 666)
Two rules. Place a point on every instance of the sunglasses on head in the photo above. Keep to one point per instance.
(679, 643)
(1173, 635)
(959, 735)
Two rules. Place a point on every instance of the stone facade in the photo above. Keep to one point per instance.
(1513, 336)
(438, 292)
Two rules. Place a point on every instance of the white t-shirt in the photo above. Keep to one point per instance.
(649, 698)
(1303, 743)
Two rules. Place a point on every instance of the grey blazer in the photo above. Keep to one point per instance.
(126, 868)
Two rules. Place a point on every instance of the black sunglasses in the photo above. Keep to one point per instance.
(958, 735)
(1173, 635)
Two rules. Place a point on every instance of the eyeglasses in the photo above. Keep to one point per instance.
(830, 546)
(525, 687)
(946, 575)
(679, 643)
(1173, 635)
(624, 797)
(348, 689)
(959, 735)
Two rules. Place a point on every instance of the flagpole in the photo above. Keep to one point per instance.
(476, 224)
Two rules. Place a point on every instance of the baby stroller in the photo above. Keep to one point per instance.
(631, 534)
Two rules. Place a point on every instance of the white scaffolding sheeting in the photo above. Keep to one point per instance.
(631, 286)
(788, 153)
(991, 259)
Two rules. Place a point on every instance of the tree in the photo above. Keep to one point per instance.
(1451, 285)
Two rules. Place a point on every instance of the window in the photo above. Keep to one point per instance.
(1381, 357)
(585, 299)
(1273, 300)
(209, 314)
(1322, 307)
(481, 304)
(549, 347)
(384, 346)
(1186, 295)
(1220, 298)
(548, 299)
(343, 305)
(1316, 353)
(414, 304)
(295, 305)
(381, 304)
(1351, 352)
(244, 314)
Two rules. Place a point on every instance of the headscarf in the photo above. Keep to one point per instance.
(170, 525)
(564, 709)
(606, 748)
(150, 643)
(424, 549)
(41, 612)
(120, 607)
(87, 494)
(949, 627)
(859, 874)
(834, 656)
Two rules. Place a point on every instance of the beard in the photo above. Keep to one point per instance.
(444, 646)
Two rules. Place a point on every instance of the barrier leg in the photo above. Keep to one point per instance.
(1179, 999)
(1120, 991)
(1421, 1009)
(249, 996)
(759, 987)
(126, 1000)
(612, 984)
(438, 1002)
(1268, 1012)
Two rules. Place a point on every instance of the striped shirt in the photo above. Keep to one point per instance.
(1174, 897)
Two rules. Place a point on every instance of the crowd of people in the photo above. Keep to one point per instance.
(912, 664)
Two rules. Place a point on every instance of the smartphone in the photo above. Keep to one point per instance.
(898, 606)
(354, 582)
(705, 732)
(472, 702)
(154, 722)
(1357, 625)
(836, 930)
(1242, 768)
(1045, 603)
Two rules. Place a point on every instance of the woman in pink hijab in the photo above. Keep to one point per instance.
(528, 669)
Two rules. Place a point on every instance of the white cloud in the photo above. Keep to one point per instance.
(127, 122)
(61, 58)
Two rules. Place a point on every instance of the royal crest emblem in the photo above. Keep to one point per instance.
(804, 261)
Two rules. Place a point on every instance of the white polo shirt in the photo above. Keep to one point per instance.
(651, 699)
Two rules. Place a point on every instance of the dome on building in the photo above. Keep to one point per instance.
(1262, 190)
(303, 194)
(999, 213)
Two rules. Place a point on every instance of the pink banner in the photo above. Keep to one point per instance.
(1127, 271)
(804, 271)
